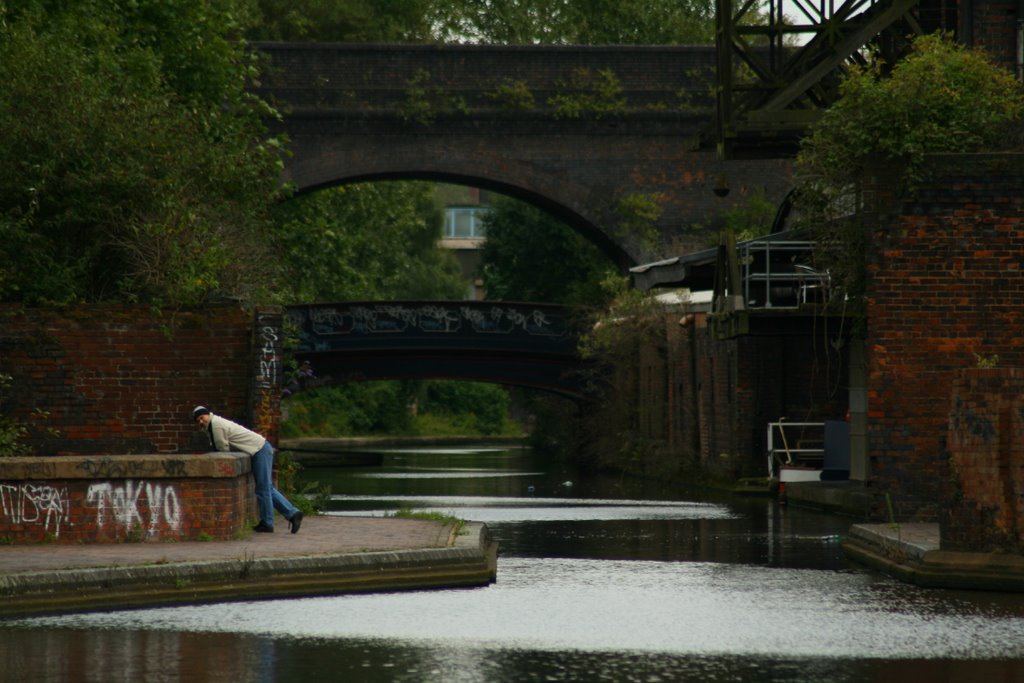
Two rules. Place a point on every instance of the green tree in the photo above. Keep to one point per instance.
(365, 241)
(943, 97)
(531, 256)
(514, 22)
(133, 165)
(352, 21)
(584, 22)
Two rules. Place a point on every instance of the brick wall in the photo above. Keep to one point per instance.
(108, 499)
(994, 28)
(123, 379)
(344, 121)
(774, 372)
(984, 509)
(691, 402)
(944, 286)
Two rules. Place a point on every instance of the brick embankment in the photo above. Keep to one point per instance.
(329, 555)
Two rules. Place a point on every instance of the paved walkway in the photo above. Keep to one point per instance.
(329, 555)
(318, 535)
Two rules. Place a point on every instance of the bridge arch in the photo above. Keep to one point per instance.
(568, 202)
(346, 114)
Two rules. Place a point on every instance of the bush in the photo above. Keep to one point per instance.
(349, 409)
(435, 408)
(485, 404)
(943, 97)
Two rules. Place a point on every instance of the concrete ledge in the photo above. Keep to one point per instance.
(911, 553)
(469, 559)
(845, 497)
(155, 466)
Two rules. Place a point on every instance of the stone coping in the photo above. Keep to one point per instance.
(465, 558)
(912, 553)
(149, 466)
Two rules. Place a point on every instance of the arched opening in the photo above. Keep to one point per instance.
(368, 393)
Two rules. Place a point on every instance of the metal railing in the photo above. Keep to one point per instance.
(773, 276)
(795, 443)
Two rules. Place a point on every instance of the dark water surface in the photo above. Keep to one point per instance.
(598, 580)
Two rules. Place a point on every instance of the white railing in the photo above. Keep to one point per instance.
(795, 443)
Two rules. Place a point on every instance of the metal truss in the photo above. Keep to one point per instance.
(776, 72)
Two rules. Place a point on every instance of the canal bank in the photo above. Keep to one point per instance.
(910, 552)
(329, 556)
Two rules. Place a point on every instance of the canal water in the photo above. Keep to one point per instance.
(599, 579)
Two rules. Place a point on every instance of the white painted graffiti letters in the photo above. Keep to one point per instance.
(40, 504)
(121, 506)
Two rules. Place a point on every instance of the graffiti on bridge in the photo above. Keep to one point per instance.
(429, 318)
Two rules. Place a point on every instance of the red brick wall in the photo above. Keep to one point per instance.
(83, 499)
(985, 505)
(944, 284)
(124, 379)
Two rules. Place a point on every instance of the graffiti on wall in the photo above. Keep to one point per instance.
(36, 504)
(129, 506)
(135, 505)
(268, 372)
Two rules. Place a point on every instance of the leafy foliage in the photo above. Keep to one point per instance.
(150, 172)
(365, 241)
(485, 404)
(531, 256)
(350, 21)
(588, 94)
(942, 97)
(424, 102)
(12, 432)
(433, 408)
(356, 408)
(513, 22)
(637, 213)
(751, 217)
(583, 22)
(513, 94)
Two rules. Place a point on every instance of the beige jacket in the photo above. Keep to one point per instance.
(229, 436)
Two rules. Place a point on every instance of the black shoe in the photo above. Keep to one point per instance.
(263, 528)
(295, 522)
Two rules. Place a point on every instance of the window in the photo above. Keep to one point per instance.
(464, 221)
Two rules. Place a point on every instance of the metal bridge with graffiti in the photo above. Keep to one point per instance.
(526, 344)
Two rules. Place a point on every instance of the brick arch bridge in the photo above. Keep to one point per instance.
(598, 136)
(523, 344)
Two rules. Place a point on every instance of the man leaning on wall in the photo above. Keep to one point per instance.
(226, 435)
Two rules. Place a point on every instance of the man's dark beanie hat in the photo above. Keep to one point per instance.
(199, 410)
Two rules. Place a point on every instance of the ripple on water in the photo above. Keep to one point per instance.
(598, 606)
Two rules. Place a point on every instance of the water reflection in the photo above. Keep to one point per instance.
(679, 608)
(77, 655)
(600, 580)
